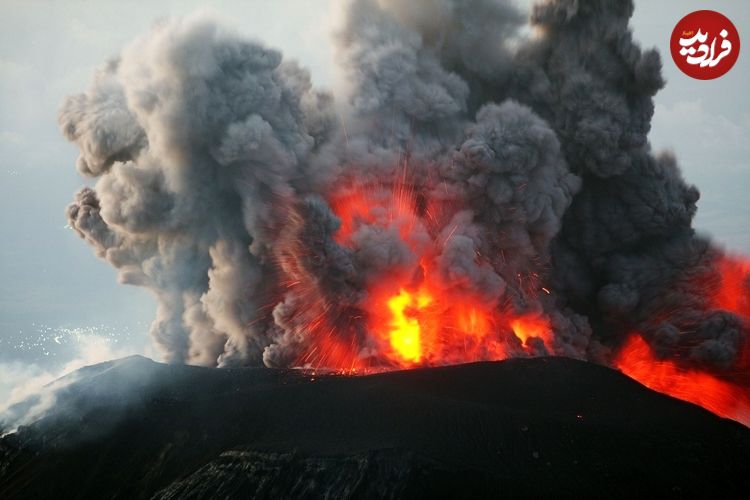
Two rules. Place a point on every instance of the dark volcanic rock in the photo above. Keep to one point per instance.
(526, 427)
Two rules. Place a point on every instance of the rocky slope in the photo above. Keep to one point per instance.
(133, 428)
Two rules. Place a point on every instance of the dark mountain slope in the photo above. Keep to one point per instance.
(133, 428)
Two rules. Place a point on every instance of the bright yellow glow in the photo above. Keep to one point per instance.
(405, 333)
(531, 326)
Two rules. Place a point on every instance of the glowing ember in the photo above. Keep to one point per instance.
(712, 393)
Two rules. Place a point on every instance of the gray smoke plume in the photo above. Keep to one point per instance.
(217, 162)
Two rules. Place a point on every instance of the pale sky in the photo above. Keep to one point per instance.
(54, 291)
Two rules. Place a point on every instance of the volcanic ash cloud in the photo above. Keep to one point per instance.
(479, 193)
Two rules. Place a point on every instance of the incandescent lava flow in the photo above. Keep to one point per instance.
(726, 392)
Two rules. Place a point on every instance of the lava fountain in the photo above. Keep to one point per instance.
(411, 314)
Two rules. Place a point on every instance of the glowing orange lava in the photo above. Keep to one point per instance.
(728, 290)
(733, 291)
(406, 331)
(429, 326)
(410, 314)
(532, 326)
(384, 206)
(721, 397)
(732, 294)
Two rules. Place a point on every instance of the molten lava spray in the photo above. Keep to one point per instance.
(712, 393)
(405, 330)
(419, 312)
(732, 292)
(726, 393)
(483, 190)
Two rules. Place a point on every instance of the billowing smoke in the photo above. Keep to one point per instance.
(492, 176)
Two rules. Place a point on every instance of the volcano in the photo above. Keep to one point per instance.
(134, 428)
(477, 203)
(479, 187)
